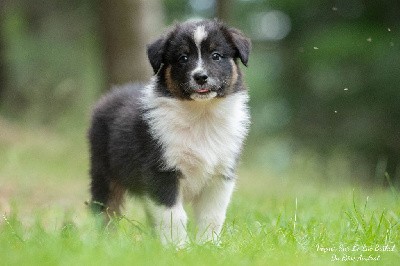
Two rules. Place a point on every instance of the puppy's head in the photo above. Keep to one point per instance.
(199, 60)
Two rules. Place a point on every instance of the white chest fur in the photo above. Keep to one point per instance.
(201, 139)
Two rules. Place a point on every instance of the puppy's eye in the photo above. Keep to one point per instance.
(183, 59)
(216, 56)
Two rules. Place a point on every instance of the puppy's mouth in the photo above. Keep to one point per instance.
(201, 94)
(203, 90)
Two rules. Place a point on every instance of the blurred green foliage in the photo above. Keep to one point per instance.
(323, 75)
(52, 59)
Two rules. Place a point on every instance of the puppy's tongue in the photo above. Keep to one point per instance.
(202, 90)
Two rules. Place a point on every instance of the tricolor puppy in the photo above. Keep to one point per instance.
(179, 138)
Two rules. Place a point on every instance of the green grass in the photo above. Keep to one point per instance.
(290, 221)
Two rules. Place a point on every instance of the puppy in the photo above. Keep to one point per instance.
(177, 139)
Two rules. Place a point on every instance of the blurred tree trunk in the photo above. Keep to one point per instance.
(2, 69)
(128, 25)
(224, 10)
(3, 81)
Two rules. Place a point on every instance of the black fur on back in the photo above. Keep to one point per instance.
(123, 151)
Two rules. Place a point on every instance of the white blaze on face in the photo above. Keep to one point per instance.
(199, 35)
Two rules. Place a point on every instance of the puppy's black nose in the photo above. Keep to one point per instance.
(200, 77)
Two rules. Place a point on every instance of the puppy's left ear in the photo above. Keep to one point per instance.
(155, 52)
(242, 44)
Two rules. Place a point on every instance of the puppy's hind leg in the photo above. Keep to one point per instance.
(115, 199)
(107, 194)
(107, 197)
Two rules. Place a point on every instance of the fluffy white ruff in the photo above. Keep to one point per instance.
(201, 139)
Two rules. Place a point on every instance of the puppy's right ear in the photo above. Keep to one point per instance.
(155, 52)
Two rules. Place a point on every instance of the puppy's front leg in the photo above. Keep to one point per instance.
(210, 209)
(169, 222)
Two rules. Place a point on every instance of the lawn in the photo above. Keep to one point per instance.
(271, 220)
